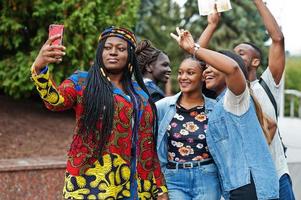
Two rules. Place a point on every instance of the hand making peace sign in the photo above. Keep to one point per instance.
(184, 39)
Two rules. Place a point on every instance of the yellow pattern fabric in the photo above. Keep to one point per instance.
(108, 178)
(46, 89)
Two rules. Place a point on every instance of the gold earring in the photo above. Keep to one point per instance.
(130, 68)
(104, 74)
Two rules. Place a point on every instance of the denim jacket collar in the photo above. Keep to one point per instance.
(221, 95)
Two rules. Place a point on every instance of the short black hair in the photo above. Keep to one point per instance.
(237, 59)
(255, 47)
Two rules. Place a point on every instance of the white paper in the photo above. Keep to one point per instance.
(206, 7)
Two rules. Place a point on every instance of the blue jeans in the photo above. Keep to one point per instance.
(198, 183)
(286, 188)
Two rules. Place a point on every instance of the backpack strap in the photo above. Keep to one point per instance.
(269, 93)
(272, 99)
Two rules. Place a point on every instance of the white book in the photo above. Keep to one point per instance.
(206, 7)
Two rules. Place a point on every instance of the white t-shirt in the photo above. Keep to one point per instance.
(267, 107)
(237, 105)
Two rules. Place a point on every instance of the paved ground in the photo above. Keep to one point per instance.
(291, 132)
(296, 178)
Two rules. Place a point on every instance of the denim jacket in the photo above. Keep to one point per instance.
(239, 148)
(166, 109)
(155, 92)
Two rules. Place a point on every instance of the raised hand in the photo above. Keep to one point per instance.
(277, 48)
(184, 39)
(214, 18)
(48, 54)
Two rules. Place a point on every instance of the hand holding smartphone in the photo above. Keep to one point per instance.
(56, 29)
(49, 54)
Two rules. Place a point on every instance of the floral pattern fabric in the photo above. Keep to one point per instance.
(187, 135)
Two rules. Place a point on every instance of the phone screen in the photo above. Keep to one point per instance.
(55, 29)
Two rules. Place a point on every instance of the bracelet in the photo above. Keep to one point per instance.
(160, 194)
(162, 190)
(196, 48)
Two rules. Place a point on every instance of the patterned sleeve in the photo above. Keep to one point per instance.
(162, 189)
(159, 177)
(56, 98)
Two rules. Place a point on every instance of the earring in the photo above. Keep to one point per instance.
(104, 74)
(130, 67)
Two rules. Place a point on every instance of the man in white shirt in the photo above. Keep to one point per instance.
(272, 76)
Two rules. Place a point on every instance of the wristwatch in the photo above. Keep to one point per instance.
(196, 47)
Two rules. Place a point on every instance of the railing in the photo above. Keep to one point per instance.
(294, 94)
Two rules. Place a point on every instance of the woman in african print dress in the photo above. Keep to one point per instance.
(112, 155)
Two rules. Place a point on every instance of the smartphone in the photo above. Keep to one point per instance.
(55, 29)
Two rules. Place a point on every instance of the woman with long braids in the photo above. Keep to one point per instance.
(112, 155)
(155, 68)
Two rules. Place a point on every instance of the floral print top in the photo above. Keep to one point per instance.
(187, 135)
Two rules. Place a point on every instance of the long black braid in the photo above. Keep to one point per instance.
(99, 102)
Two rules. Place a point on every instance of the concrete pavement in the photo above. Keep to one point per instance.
(290, 129)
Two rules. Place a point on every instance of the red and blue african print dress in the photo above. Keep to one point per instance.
(108, 177)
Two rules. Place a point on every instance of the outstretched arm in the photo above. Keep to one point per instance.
(213, 20)
(277, 51)
(234, 77)
(56, 98)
